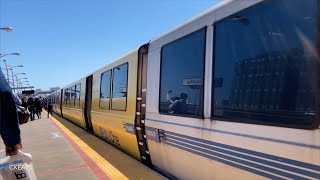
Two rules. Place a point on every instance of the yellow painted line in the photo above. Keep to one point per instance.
(105, 166)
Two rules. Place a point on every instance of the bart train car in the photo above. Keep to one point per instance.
(233, 92)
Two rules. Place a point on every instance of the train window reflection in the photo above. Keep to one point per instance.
(58, 98)
(73, 95)
(67, 96)
(105, 90)
(182, 71)
(119, 87)
(266, 65)
(77, 95)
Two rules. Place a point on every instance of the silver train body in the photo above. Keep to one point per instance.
(233, 93)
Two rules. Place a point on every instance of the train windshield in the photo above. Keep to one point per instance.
(266, 62)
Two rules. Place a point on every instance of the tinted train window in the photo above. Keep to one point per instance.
(265, 64)
(77, 95)
(57, 98)
(73, 95)
(182, 71)
(105, 90)
(70, 98)
(119, 87)
(67, 96)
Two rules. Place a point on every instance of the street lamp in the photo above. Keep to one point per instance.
(20, 73)
(16, 75)
(21, 85)
(5, 63)
(15, 66)
(16, 54)
(19, 82)
(8, 29)
(12, 73)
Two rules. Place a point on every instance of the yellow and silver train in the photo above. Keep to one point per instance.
(232, 93)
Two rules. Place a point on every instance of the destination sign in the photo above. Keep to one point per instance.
(192, 82)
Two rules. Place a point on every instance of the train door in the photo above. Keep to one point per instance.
(141, 105)
(87, 105)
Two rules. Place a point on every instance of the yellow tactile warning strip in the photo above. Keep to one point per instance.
(105, 166)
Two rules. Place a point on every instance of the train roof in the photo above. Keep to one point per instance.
(115, 61)
(207, 18)
(108, 64)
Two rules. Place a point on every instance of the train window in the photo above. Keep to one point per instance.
(182, 71)
(57, 98)
(77, 95)
(73, 95)
(265, 65)
(119, 87)
(69, 99)
(67, 96)
(105, 86)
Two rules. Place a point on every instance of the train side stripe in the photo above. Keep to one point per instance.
(242, 135)
(246, 157)
(264, 174)
(240, 161)
(255, 153)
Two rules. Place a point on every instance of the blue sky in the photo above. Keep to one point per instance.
(61, 41)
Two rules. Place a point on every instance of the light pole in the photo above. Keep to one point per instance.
(5, 63)
(8, 29)
(19, 82)
(3, 55)
(12, 79)
(26, 84)
(16, 75)
(12, 74)
(23, 82)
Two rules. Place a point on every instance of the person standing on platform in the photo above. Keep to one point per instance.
(37, 107)
(49, 109)
(9, 127)
(31, 108)
(24, 103)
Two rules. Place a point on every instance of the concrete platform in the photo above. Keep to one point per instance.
(62, 150)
